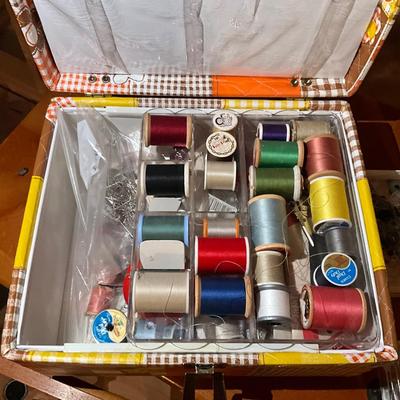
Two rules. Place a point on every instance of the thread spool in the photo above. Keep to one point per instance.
(340, 239)
(109, 326)
(317, 253)
(333, 309)
(303, 129)
(100, 299)
(225, 120)
(268, 222)
(336, 269)
(273, 304)
(229, 330)
(270, 268)
(162, 254)
(271, 153)
(329, 205)
(274, 131)
(161, 292)
(223, 296)
(286, 182)
(163, 227)
(167, 130)
(221, 145)
(221, 227)
(221, 256)
(323, 157)
(220, 175)
(165, 180)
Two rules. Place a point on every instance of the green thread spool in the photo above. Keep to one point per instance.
(273, 153)
(286, 182)
(163, 227)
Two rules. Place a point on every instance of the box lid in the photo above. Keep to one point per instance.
(193, 48)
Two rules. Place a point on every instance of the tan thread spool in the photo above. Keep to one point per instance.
(161, 292)
(270, 268)
(220, 175)
(307, 128)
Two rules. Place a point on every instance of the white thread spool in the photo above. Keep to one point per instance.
(273, 304)
(220, 175)
(162, 254)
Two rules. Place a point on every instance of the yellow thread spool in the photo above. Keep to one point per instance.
(328, 201)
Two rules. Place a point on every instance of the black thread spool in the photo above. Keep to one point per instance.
(340, 239)
(165, 180)
(317, 253)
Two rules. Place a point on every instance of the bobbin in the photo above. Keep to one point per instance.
(297, 182)
(221, 144)
(281, 247)
(225, 120)
(260, 129)
(162, 277)
(257, 152)
(196, 255)
(273, 304)
(307, 308)
(248, 290)
(186, 176)
(231, 225)
(147, 128)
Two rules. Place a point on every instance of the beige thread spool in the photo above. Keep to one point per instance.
(270, 268)
(161, 292)
(220, 175)
(307, 128)
(221, 227)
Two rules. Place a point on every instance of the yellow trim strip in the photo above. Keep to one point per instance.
(83, 358)
(28, 222)
(106, 101)
(293, 358)
(267, 104)
(374, 242)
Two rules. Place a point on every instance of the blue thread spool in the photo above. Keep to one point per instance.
(274, 131)
(223, 296)
(269, 223)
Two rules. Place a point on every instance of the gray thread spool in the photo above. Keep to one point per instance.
(340, 239)
(307, 128)
(221, 227)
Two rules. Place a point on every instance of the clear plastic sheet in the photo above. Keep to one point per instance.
(102, 168)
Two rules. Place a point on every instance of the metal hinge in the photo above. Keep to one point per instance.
(204, 371)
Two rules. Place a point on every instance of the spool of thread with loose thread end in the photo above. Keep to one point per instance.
(156, 292)
(221, 227)
(221, 256)
(223, 296)
(277, 154)
(274, 130)
(163, 227)
(270, 268)
(328, 202)
(220, 175)
(269, 223)
(286, 182)
(303, 129)
(167, 130)
(323, 157)
(333, 309)
(165, 180)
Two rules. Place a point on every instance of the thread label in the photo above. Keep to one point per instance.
(221, 144)
(339, 269)
(109, 326)
(225, 120)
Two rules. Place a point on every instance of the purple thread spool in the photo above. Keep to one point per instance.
(274, 131)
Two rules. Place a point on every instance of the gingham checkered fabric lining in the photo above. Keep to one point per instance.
(8, 340)
(165, 102)
(55, 104)
(357, 358)
(141, 85)
(240, 359)
(388, 354)
(324, 88)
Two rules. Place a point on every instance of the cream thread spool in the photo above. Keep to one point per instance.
(220, 175)
(161, 292)
(303, 129)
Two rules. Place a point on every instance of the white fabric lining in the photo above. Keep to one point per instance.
(312, 38)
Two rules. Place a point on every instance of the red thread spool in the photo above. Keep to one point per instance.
(100, 299)
(126, 287)
(222, 256)
(333, 309)
(167, 130)
(323, 157)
